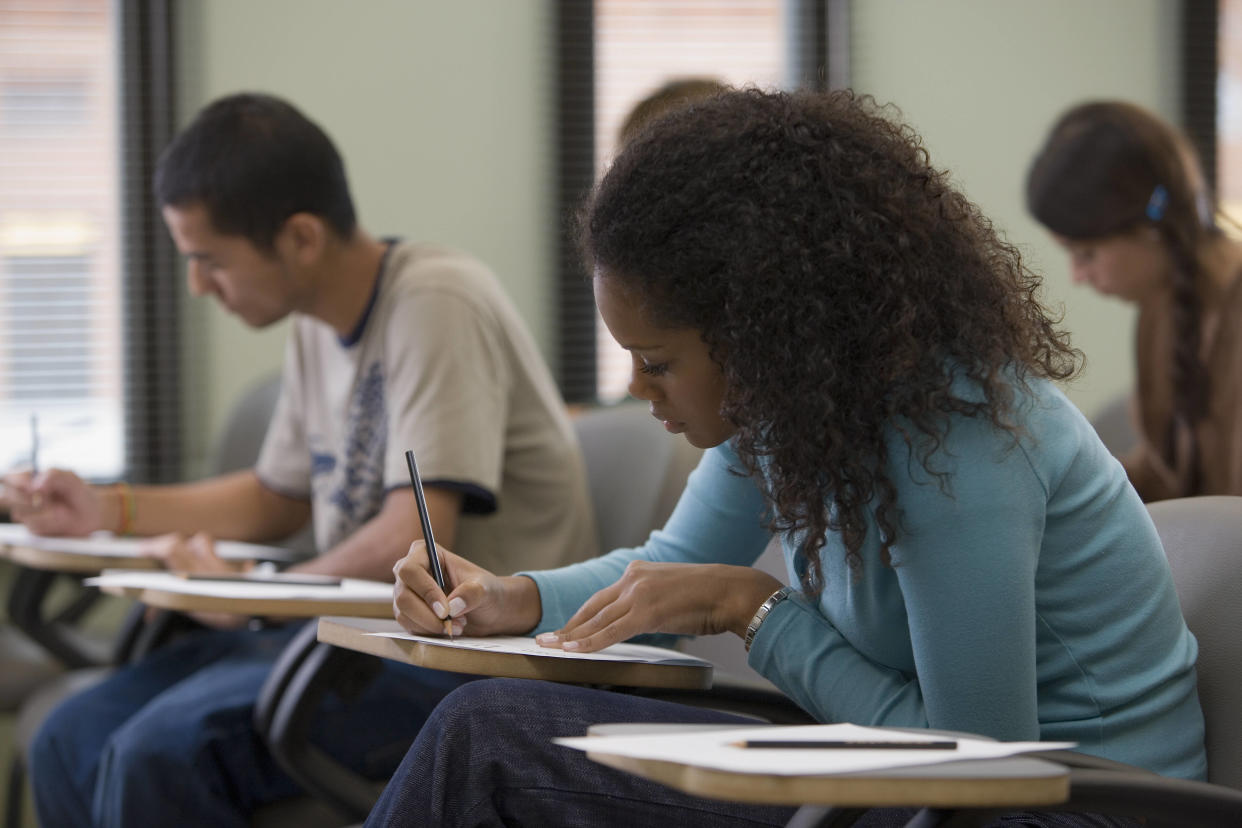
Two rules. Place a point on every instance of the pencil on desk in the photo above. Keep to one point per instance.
(428, 538)
(838, 744)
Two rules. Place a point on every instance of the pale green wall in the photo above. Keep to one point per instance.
(982, 80)
(442, 113)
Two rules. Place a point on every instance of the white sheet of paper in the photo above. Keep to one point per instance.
(716, 749)
(522, 645)
(105, 544)
(350, 589)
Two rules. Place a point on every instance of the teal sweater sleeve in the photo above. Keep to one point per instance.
(718, 519)
(964, 570)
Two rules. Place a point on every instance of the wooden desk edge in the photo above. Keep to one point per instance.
(76, 562)
(288, 607)
(512, 665)
(853, 790)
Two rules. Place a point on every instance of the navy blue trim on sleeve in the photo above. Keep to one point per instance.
(476, 501)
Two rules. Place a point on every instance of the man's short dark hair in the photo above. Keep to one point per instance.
(252, 161)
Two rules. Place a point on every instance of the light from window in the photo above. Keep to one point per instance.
(60, 309)
(41, 103)
(1229, 109)
(639, 46)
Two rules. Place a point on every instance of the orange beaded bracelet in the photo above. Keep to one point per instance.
(128, 510)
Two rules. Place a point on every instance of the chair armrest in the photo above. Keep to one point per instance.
(56, 633)
(146, 629)
(283, 670)
(288, 702)
(1159, 799)
(1110, 787)
(1096, 786)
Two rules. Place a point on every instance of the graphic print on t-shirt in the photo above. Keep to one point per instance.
(354, 483)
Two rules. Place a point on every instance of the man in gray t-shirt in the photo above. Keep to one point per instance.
(394, 346)
(438, 363)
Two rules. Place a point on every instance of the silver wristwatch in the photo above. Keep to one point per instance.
(762, 613)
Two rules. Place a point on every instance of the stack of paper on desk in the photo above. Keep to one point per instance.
(105, 544)
(717, 749)
(519, 645)
(350, 589)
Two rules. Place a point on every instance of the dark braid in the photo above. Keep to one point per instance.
(1190, 378)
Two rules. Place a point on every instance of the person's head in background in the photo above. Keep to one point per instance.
(671, 95)
(789, 272)
(255, 196)
(1123, 192)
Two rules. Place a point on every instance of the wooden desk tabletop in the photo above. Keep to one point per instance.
(91, 555)
(54, 560)
(369, 599)
(352, 634)
(1014, 781)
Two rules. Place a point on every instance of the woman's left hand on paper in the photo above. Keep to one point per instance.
(685, 599)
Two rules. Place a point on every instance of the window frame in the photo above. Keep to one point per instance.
(819, 40)
(151, 305)
(1200, 37)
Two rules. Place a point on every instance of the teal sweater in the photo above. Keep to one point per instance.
(1029, 599)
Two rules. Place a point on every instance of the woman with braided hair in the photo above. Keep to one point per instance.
(870, 372)
(1123, 192)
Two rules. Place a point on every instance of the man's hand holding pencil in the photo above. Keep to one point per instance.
(54, 502)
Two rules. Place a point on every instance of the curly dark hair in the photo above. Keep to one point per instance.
(839, 281)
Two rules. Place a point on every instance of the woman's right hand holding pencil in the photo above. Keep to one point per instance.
(478, 603)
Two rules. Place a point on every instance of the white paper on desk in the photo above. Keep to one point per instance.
(715, 749)
(520, 645)
(350, 589)
(105, 544)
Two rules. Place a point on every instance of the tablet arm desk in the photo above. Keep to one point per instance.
(308, 670)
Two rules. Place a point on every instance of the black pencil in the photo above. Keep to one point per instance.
(845, 745)
(428, 537)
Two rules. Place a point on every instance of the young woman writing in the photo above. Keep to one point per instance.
(866, 363)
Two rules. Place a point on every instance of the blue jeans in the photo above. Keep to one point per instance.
(170, 740)
(485, 758)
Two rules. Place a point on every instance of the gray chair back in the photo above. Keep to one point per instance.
(635, 471)
(1115, 425)
(238, 443)
(241, 438)
(1202, 538)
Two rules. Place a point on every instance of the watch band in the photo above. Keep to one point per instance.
(762, 613)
